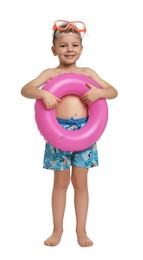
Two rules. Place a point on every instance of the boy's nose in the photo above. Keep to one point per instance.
(69, 48)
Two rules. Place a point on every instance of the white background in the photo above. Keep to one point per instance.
(113, 48)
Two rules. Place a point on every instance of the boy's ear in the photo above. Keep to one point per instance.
(53, 50)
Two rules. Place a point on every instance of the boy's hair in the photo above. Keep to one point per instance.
(69, 30)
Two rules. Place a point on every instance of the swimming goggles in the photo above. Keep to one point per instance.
(63, 25)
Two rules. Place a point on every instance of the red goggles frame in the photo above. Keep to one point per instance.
(63, 25)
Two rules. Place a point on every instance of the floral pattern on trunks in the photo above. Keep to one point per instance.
(56, 159)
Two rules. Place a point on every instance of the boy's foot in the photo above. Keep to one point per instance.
(54, 239)
(84, 240)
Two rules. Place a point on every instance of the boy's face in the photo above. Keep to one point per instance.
(67, 47)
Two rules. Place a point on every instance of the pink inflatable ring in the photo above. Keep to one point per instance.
(53, 132)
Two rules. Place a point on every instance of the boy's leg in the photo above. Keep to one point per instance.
(79, 181)
(61, 182)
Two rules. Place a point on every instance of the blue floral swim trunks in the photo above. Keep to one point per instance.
(56, 159)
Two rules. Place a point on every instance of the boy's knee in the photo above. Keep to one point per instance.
(78, 183)
(62, 184)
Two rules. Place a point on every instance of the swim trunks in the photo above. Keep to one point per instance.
(56, 159)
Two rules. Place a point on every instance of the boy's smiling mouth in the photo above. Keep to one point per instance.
(69, 56)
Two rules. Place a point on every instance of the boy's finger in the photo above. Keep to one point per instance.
(88, 85)
(58, 99)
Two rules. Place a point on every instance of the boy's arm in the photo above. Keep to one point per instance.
(31, 90)
(106, 91)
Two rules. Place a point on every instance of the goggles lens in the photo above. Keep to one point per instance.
(62, 25)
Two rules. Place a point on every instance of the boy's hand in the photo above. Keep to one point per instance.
(92, 95)
(50, 100)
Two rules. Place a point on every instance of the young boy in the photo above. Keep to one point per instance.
(67, 45)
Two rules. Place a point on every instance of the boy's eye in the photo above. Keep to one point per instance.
(63, 45)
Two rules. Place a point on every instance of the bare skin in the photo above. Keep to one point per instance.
(68, 48)
(61, 182)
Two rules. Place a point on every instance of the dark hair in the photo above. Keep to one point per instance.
(69, 30)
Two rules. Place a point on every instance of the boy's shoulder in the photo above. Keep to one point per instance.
(88, 71)
(49, 73)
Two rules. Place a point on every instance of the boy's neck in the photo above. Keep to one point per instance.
(67, 66)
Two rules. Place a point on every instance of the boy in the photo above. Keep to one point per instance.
(67, 45)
